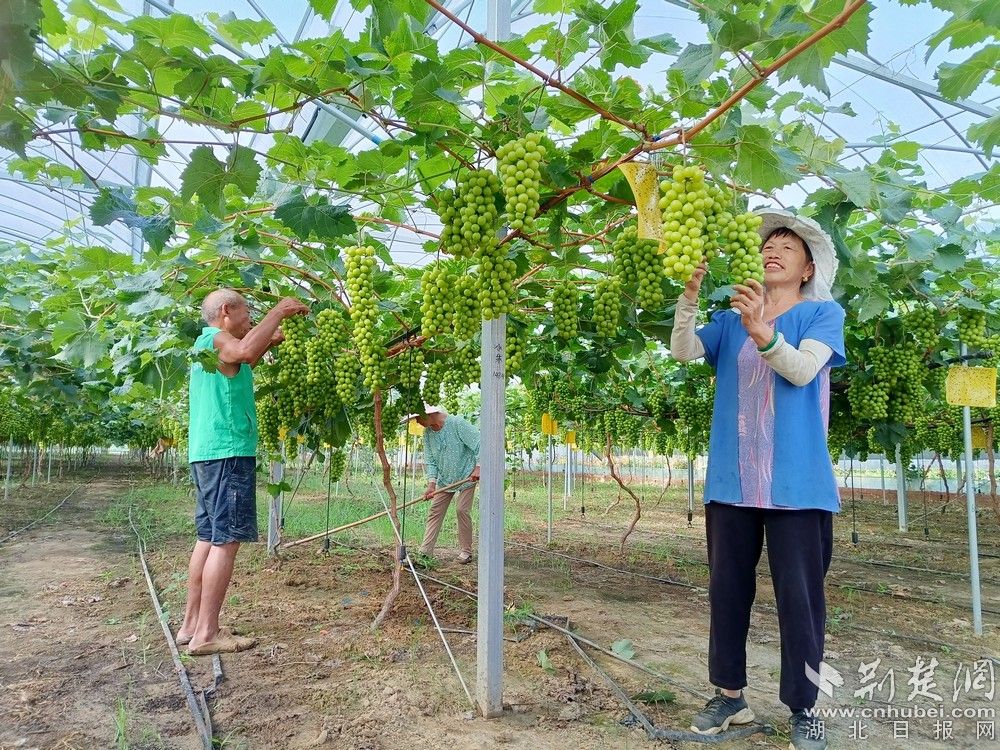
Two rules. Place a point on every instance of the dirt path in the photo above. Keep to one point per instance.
(82, 661)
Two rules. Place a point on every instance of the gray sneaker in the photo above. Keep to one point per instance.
(720, 712)
(807, 732)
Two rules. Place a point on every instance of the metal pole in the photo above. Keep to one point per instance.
(492, 461)
(48, 475)
(274, 511)
(970, 509)
(900, 490)
(566, 480)
(550, 489)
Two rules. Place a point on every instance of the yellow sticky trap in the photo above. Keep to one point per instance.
(570, 439)
(646, 189)
(415, 428)
(980, 440)
(971, 386)
(548, 425)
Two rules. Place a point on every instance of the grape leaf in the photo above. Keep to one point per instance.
(315, 216)
(206, 176)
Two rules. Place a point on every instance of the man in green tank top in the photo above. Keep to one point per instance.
(222, 450)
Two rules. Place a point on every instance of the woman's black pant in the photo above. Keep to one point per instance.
(799, 547)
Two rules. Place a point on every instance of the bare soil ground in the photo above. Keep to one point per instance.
(85, 664)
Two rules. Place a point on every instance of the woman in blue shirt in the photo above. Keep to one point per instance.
(769, 471)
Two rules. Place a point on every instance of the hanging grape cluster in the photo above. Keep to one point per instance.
(466, 321)
(514, 350)
(469, 213)
(639, 264)
(565, 304)
(410, 365)
(972, 330)
(684, 204)
(898, 370)
(325, 344)
(436, 309)
(922, 324)
(519, 163)
(743, 249)
(338, 462)
(869, 399)
(695, 404)
(364, 314)
(607, 306)
(433, 380)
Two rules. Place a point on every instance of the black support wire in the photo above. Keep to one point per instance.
(855, 538)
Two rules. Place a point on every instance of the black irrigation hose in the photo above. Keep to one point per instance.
(201, 721)
(657, 733)
(10, 537)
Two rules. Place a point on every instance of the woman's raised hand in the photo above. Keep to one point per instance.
(693, 285)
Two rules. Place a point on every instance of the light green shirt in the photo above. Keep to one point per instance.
(452, 452)
(221, 409)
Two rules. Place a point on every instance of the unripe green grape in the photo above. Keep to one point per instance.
(684, 203)
(745, 259)
(436, 309)
(467, 315)
(922, 324)
(607, 307)
(565, 312)
(519, 165)
(364, 314)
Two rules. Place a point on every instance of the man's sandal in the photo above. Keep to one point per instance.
(225, 642)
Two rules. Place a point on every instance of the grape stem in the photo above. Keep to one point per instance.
(638, 506)
(390, 599)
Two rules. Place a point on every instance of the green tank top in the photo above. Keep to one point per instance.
(222, 412)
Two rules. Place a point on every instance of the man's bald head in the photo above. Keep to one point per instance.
(211, 307)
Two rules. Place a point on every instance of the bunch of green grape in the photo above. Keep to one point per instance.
(466, 307)
(869, 399)
(432, 381)
(839, 433)
(567, 406)
(565, 304)
(325, 344)
(638, 263)
(268, 422)
(469, 214)
(899, 368)
(347, 370)
(338, 462)
(972, 330)
(293, 363)
(519, 163)
(607, 306)
(694, 416)
(364, 314)
(436, 308)
(410, 365)
(685, 202)
(514, 350)
(940, 431)
(923, 325)
(717, 220)
(745, 259)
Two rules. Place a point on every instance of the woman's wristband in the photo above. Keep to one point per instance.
(770, 345)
